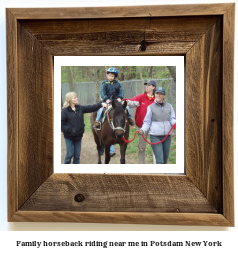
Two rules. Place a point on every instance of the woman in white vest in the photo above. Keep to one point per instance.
(159, 119)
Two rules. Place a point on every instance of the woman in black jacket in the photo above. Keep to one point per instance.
(72, 125)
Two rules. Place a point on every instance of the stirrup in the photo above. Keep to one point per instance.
(96, 127)
(131, 122)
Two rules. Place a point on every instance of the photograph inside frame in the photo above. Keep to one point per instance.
(118, 114)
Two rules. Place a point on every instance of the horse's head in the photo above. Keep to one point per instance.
(119, 118)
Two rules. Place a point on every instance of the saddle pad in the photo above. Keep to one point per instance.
(105, 113)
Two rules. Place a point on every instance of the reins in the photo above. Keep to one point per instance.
(110, 122)
(129, 141)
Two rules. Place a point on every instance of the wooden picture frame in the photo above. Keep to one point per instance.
(204, 34)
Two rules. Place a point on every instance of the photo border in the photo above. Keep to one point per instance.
(209, 50)
(177, 61)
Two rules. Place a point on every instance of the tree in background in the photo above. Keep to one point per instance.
(95, 74)
(172, 90)
(73, 74)
(172, 71)
(76, 74)
(70, 78)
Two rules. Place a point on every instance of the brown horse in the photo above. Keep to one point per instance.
(112, 131)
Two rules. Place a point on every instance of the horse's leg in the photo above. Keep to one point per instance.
(102, 148)
(107, 153)
(96, 137)
(123, 147)
(99, 147)
(99, 153)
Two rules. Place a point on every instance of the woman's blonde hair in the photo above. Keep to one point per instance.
(68, 97)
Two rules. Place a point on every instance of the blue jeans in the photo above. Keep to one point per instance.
(73, 148)
(111, 148)
(161, 151)
(99, 112)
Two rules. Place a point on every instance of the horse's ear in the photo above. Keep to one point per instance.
(114, 104)
(124, 104)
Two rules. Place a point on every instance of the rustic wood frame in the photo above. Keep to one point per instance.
(204, 34)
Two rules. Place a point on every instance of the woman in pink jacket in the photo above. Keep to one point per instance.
(142, 101)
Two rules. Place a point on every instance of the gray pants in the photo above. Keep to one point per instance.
(141, 148)
(161, 151)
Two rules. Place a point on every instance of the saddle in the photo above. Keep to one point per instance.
(104, 113)
(108, 110)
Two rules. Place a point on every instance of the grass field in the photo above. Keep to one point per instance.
(132, 147)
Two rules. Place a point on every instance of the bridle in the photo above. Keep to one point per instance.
(110, 121)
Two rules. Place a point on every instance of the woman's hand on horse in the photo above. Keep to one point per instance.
(108, 101)
(140, 132)
(118, 99)
(104, 105)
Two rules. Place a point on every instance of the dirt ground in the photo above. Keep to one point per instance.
(89, 153)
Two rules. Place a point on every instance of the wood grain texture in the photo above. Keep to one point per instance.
(190, 219)
(189, 26)
(133, 49)
(204, 196)
(12, 117)
(35, 133)
(204, 114)
(121, 12)
(119, 193)
(227, 113)
(120, 36)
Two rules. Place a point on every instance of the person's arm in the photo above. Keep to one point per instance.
(172, 116)
(133, 104)
(103, 92)
(136, 98)
(120, 94)
(147, 120)
(93, 108)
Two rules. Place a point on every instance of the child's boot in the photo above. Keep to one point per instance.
(131, 122)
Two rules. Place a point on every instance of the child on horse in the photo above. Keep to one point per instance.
(111, 90)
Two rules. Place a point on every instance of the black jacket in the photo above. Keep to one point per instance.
(72, 122)
(108, 90)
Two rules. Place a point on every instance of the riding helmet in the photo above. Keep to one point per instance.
(113, 70)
